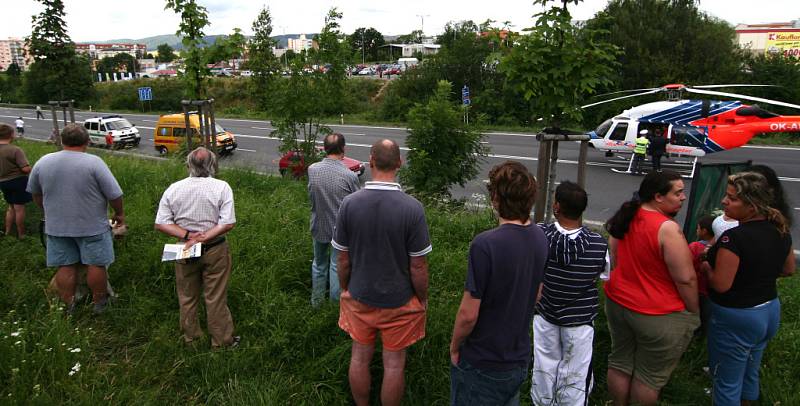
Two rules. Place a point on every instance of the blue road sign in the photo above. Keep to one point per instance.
(465, 95)
(145, 93)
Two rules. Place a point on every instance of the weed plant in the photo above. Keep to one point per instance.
(290, 353)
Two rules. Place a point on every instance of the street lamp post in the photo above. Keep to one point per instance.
(363, 61)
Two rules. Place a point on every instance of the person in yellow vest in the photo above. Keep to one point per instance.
(640, 152)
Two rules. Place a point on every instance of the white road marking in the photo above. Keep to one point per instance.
(246, 150)
(262, 128)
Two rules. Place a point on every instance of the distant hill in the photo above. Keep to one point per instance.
(175, 41)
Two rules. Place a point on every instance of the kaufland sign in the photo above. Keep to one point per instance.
(786, 43)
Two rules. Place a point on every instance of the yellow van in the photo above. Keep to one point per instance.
(170, 132)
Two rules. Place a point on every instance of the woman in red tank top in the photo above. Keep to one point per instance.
(652, 285)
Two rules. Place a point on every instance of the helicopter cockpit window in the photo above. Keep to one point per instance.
(602, 129)
(619, 132)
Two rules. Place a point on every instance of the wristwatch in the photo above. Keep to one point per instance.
(186, 236)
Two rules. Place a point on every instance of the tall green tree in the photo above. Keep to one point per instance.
(122, 62)
(443, 150)
(194, 18)
(236, 43)
(668, 41)
(165, 53)
(57, 72)
(558, 65)
(775, 69)
(365, 44)
(261, 59)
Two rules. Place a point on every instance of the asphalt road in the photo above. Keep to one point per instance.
(607, 189)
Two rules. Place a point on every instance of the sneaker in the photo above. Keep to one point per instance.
(236, 341)
(69, 311)
(101, 307)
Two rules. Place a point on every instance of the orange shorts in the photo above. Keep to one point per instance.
(400, 327)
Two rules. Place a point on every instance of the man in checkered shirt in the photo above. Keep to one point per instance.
(199, 209)
(329, 181)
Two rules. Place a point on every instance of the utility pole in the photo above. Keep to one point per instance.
(363, 61)
(422, 23)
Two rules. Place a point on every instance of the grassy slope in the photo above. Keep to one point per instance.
(290, 353)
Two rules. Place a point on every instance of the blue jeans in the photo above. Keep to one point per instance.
(473, 386)
(323, 273)
(736, 342)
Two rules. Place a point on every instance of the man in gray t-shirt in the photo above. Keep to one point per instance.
(383, 239)
(75, 189)
(329, 181)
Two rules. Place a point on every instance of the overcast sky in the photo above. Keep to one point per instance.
(90, 20)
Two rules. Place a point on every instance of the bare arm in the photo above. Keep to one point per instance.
(26, 169)
(466, 318)
(612, 250)
(419, 278)
(343, 269)
(789, 265)
(38, 199)
(119, 211)
(678, 259)
(720, 278)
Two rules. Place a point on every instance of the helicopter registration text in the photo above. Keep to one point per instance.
(784, 126)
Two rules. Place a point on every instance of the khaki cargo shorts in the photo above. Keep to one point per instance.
(648, 347)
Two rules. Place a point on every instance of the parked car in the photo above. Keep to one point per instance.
(367, 71)
(112, 131)
(294, 163)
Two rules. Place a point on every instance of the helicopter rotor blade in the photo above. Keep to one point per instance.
(740, 96)
(731, 85)
(626, 91)
(623, 97)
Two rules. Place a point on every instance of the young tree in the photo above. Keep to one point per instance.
(557, 65)
(57, 72)
(165, 53)
(236, 43)
(194, 18)
(443, 150)
(262, 61)
(415, 37)
(304, 98)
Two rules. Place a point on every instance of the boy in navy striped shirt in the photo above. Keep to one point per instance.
(563, 325)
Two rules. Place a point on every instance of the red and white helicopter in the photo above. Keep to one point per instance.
(693, 127)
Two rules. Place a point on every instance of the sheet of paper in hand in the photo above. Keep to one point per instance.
(173, 252)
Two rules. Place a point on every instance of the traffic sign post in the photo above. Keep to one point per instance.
(145, 95)
(465, 101)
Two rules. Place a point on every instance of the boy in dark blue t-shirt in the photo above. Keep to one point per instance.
(490, 349)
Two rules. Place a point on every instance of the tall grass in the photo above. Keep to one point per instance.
(291, 353)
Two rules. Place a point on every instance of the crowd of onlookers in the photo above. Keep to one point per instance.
(370, 248)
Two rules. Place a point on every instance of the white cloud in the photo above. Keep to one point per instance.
(89, 20)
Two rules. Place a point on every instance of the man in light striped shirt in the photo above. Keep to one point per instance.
(563, 326)
(199, 209)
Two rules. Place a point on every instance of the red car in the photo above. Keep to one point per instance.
(293, 161)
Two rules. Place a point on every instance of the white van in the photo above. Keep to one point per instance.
(112, 131)
(406, 63)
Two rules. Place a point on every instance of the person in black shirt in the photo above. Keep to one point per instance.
(491, 346)
(658, 147)
(744, 264)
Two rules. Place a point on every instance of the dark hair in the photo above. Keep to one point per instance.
(6, 131)
(705, 223)
(334, 144)
(753, 189)
(652, 184)
(571, 199)
(74, 135)
(386, 155)
(513, 190)
(779, 201)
